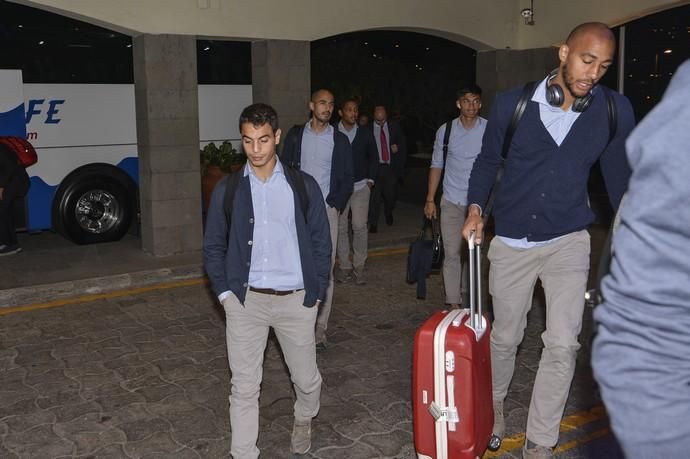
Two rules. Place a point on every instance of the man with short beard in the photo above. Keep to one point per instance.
(541, 215)
(323, 152)
(365, 163)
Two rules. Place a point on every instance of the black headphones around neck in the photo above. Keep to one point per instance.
(555, 96)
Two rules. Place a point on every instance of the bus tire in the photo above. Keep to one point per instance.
(95, 203)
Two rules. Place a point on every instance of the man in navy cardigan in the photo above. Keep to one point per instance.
(541, 215)
(322, 151)
(269, 269)
(365, 162)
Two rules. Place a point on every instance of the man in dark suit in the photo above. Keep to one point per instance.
(392, 151)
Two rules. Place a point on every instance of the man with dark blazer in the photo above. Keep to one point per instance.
(365, 165)
(267, 255)
(392, 152)
(322, 151)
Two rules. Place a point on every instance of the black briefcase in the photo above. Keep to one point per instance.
(425, 256)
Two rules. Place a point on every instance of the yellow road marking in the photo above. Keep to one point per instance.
(386, 252)
(568, 423)
(149, 288)
(102, 296)
(512, 443)
(582, 440)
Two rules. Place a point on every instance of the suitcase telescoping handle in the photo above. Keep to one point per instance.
(475, 264)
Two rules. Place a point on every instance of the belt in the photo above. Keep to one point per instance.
(270, 291)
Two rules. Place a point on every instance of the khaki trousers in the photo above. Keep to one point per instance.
(452, 219)
(562, 266)
(325, 308)
(247, 332)
(359, 204)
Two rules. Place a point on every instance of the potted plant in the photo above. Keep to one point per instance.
(217, 162)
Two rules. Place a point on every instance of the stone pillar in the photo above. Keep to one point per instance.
(165, 83)
(281, 77)
(506, 68)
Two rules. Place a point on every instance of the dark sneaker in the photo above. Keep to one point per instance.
(9, 249)
(343, 276)
(389, 220)
(360, 276)
(300, 442)
(534, 451)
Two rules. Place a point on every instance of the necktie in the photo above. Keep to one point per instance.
(385, 156)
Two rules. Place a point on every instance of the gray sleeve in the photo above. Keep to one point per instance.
(641, 356)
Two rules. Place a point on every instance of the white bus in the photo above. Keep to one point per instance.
(67, 86)
(85, 182)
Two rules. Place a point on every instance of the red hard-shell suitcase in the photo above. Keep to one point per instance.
(451, 383)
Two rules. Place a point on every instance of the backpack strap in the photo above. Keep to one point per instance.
(520, 108)
(612, 115)
(296, 160)
(297, 180)
(446, 140)
(231, 185)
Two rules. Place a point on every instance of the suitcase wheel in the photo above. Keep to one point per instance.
(494, 443)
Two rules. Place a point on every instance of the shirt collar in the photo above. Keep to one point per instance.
(539, 97)
(278, 169)
(477, 123)
(341, 127)
(329, 129)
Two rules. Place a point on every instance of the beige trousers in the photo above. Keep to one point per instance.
(247, 332)
(359, 204)
(562, 266)
(325, 308)
(452, 219)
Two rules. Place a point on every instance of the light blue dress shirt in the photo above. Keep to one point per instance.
(463, 147)
(558, 123)
(275, 252)
(317, 156)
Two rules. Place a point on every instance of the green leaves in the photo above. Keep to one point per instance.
(223, 156)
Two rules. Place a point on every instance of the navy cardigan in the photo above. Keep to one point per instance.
(227, 257)
(365, 157)
(543, 194)
(341, 164)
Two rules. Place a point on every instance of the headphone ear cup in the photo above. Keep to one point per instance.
(581, 104)
(554, 95)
